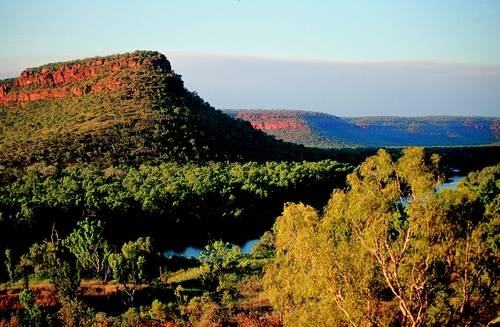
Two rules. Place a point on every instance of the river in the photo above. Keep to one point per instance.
(191, 251)
(451, 184)
(247, 247)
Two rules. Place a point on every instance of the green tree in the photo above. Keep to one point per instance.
(88, 245)
(55, 262)
(371, 259)
(32, 314)
(265, 246)
(219, 260)
(74, 313)
(9, 264)
(130, 265)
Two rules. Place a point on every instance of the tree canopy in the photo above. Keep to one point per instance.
(391, 251)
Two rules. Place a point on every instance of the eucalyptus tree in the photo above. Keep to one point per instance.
(130, 265)
(88, 245)
(370, 260)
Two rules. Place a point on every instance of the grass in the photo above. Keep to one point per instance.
(185, 275)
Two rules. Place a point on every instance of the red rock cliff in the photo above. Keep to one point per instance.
(74, 79)
(273, 121)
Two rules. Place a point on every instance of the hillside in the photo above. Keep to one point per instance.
(130, 108)
(324, 130)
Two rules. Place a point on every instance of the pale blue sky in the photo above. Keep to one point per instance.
(261, 37)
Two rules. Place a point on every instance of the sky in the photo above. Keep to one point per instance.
(349, 58)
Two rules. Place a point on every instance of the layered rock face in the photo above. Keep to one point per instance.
(269, 122)
(288, 126)
(75, 79)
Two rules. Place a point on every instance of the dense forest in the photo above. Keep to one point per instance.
(109, 164)
(387, 249)
(171, 202)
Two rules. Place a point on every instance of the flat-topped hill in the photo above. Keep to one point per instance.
(324, 130)
(79, 77)
(129, 108)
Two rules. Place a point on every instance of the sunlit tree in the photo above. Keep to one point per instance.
(91, 250)
(129, 266)
(389, 250)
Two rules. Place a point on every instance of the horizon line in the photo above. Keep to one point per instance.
(344, 116)
(50, 59)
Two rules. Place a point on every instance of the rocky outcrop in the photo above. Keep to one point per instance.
(53, 93)
(76, 78)
(273, 121)
(269, 126)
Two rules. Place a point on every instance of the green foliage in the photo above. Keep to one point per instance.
(203, 310)
(9, 264)
(52, 260)
(369, 260)
(88, 245)
(130, 266)
(74, 313)
(220, 262)
(152, 187)
(162, 312)
(131, 318)
(213, 197)
(265, 247)
(32, 314)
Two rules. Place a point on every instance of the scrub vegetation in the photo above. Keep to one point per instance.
(97, 184)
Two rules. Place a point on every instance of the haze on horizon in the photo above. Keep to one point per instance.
(410, 58)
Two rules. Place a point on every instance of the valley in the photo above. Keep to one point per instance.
(123, 194)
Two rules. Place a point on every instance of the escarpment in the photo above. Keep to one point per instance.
(324, 130)
(269, 122)
(122, 109)
(76, 78)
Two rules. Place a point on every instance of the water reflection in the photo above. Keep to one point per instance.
(451, 184)
(190, 251)
(247, 247)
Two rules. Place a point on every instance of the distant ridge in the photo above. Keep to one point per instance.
(129, 108)
(324, 130)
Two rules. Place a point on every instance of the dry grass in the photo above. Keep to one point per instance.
(98, 288)
(43, 291)
(46, 297)
(184, 275)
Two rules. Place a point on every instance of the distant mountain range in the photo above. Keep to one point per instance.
(324, 130)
